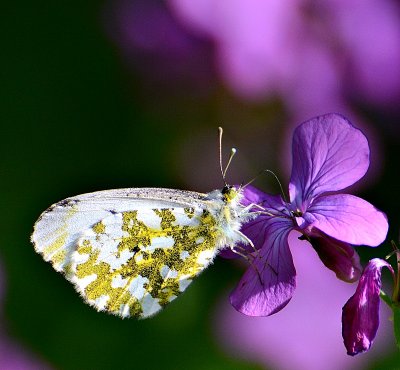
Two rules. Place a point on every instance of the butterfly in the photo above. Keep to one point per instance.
(130, 252)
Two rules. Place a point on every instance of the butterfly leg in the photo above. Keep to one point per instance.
(255, 205)
(241, 252)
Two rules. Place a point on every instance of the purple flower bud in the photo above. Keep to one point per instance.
(360, 318)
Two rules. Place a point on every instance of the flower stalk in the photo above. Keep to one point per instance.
(396, 290)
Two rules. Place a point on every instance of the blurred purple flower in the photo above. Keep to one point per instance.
(360, 317)
(329, 154)
(11, 355)
(308, 52)
(155, 45)
(306, 334)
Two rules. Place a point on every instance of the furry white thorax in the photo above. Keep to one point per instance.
(230, 215)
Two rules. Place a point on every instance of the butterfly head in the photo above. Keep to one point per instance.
(229, 193)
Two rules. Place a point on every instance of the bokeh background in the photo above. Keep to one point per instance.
(128, 93)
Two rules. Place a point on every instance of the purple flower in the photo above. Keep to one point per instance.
(360, 318)
(304, 51)
(306, 334)
(329, 154)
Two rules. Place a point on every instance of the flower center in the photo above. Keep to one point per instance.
(297, 213)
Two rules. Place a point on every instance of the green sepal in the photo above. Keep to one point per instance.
(386, 298)
(395, 306)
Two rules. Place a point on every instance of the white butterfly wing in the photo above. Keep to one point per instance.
(60, 226)
(129, 251)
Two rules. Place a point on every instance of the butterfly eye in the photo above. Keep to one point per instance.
(229, 193)
(226, 189)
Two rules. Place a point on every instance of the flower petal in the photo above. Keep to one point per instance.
(329, 154)
(360, 316)
(338, 256)
(268, 284)
(348, 218)
(273, 203)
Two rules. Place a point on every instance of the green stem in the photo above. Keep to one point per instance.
(386, 298)
(396, 290)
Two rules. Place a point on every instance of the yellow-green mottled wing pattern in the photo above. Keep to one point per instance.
(134, 263)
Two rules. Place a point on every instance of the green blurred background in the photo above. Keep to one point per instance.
(76, 118)
(74, 121)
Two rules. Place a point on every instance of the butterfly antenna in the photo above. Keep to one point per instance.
(276, 178)
(220, 130)
(233, 152)
(280, 185)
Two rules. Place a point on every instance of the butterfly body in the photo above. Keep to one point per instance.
(132, 251)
